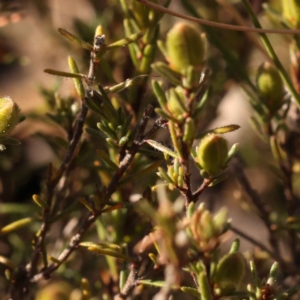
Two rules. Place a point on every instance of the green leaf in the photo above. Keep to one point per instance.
(145, 171)
(219, 130)
(105, 249)
(162, 148)
(192, 291)
(16, 208)
(125, 84)
(127, 40)
(16, 225)
(71, 37)
(171, 75)
(77, 81)
(64, 74)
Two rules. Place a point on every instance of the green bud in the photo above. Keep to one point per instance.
(270, 86)
(9, 115)
(212, 153)
(291, 12)
(230, 271)
(185, 47)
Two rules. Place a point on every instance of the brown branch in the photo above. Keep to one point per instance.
(19, 284)
(131, 282)
(123, 165)
(200, 190)
(216, 24)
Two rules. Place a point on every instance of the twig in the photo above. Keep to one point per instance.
(131, 281)
(19, 285)
(255, 242)
(123, 165)
(75, 240)
(203, 186)
(264, 215)
(216, 24)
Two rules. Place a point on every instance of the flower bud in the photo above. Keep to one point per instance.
(9, 115)
(230, 271)
(291, 12)
(212, 153)
(270, 86)
(185, 47)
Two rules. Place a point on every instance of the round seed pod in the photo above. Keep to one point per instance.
(185, 47)
(9, 115)
(270, 86)
(212, 153)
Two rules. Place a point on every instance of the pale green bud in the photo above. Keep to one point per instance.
(270, 86)
(212, 153)
(185, 47)
(9, 115)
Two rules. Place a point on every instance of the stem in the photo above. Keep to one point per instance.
(20, 283)
(123, 165)
(216, 24)
(203, 186)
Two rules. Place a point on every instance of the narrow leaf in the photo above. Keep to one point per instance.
(77, 81)
(162, 148)
(219, 130)
(16, 225)
(128, 40)
(137, 175)
(190, 290)
(107, 159)
(64, 74)
(71, 37)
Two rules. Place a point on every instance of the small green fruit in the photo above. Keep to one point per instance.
(185, 47)
(9, 115)
(270, 86)
(230, 271)
(212, 153)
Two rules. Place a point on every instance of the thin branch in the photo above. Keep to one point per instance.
(19, 286)
(131, 282)
(256, 200)
(123, 165)
(51, 184)
(200, 190)
(255, 242)
(75, 240)
(216, 24)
